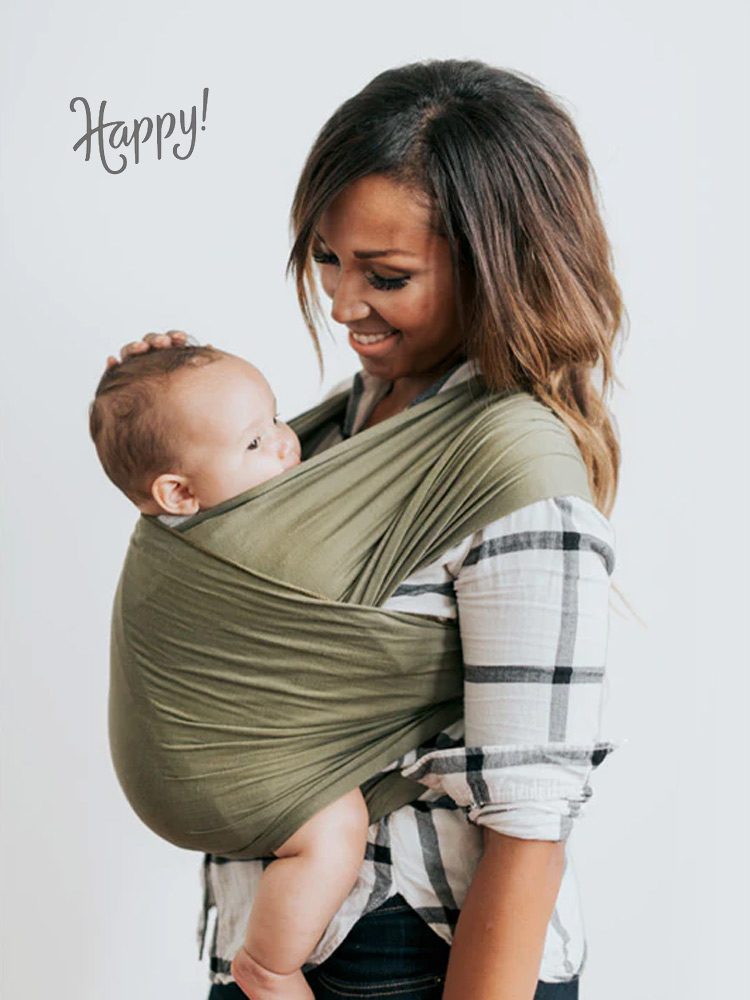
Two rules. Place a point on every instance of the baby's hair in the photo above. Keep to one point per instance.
(133, 439)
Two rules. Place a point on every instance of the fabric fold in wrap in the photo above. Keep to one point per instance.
(255, 677)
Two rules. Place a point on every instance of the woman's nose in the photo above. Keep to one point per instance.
(348, 306)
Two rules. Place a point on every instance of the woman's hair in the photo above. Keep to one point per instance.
(134, 438)
(512, 190)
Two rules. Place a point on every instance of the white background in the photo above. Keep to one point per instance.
(94, 905)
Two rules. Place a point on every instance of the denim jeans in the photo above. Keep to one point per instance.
(390, 954)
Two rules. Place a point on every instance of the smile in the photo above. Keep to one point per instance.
(372, 338)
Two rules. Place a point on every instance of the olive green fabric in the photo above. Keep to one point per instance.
(255, 677)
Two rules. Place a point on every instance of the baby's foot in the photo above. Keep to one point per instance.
(261, 984)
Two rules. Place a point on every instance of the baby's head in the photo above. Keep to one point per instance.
(181, 429)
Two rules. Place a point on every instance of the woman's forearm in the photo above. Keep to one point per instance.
(497, 949)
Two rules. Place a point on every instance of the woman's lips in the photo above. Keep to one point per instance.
(371, 344)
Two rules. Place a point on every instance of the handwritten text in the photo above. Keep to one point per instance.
(119, 134)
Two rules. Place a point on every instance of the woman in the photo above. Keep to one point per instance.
(449, 210)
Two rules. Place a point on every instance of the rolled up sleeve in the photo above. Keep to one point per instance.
(533, 606)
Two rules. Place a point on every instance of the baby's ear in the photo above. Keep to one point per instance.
(172, 494)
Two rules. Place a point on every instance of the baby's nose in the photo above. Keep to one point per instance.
(284, 441)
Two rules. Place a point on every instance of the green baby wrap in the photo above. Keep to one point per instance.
(255, 677)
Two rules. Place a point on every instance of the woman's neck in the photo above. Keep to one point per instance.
(405, 390)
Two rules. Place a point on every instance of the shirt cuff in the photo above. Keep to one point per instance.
(531, 791)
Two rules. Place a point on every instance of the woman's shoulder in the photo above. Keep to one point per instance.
(559, 521)
(519, 416)
(567, 510)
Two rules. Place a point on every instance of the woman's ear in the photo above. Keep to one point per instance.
(173, 495)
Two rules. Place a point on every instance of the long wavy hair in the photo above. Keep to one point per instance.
(512, 190)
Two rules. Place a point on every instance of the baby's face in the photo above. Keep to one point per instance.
(229, 436)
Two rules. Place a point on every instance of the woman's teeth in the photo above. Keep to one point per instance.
(363, 338)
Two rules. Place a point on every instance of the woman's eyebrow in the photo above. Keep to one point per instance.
(372, 254)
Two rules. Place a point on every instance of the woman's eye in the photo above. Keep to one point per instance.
(320, 257)
(386, 284)
(255, 443)
(378, 281)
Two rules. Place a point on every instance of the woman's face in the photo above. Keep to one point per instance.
(390, 278)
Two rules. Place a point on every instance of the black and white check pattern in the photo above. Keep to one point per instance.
(531, 593)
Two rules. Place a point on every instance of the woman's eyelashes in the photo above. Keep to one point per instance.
(321, 257)
(378, 281)
(383, 284)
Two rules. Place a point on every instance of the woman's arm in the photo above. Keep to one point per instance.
(497, 948)
(533, 596)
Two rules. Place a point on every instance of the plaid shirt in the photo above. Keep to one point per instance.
(531, 591)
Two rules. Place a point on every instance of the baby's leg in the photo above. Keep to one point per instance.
(297, 897)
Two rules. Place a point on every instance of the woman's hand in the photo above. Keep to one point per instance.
(152, 341)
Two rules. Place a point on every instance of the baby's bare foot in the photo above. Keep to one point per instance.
(261, 984)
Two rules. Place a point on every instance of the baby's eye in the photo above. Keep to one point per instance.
(276, 418)
(255, 443)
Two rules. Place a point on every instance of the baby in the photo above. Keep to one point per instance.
(179, 430)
